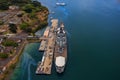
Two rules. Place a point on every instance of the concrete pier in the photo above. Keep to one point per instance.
(44, 39)
(46, 63)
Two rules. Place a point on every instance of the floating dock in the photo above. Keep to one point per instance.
(46, 64)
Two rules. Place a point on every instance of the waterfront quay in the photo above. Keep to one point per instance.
(47, 45)
(44, 39)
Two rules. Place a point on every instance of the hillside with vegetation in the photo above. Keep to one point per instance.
(34, 15)
(4, 4)
(23, 18)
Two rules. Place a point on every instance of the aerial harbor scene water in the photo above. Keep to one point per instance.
(60, 40)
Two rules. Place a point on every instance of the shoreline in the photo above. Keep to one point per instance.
(11, 65)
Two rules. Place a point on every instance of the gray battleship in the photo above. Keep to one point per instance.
(60, 54)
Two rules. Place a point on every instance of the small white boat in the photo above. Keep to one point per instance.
(52, 12)
(61, 4)
(51, 17)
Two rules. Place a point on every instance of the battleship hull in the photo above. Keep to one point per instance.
(60, 59)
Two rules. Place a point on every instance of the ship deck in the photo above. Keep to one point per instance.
(64, 54)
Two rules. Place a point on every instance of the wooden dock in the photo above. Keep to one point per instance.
(46, 64)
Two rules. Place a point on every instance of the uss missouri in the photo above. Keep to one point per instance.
(60, 54)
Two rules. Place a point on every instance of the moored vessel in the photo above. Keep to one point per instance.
(61, 4)
(60, 54)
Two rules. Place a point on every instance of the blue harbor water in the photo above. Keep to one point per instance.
(93, 28)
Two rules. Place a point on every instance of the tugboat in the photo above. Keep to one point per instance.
(60, 55)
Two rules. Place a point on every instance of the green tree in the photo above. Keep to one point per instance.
(4, 6)
(1, 22)
(32, 15)
(44, 24)
(29, 30)
(3, 55)
(36, 3)
(24, 26)
(28, 8)
(13, 28)
(9, 43)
